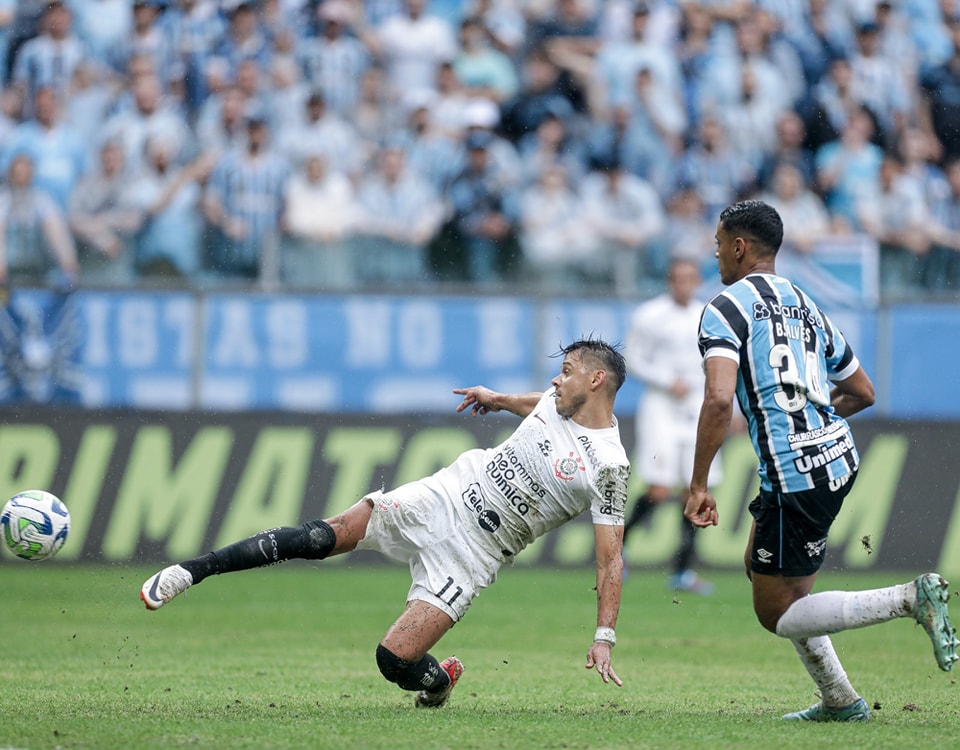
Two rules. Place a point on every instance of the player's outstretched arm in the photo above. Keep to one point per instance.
(609, 541)
(481, 400)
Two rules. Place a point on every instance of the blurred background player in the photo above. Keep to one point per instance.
(662, 353)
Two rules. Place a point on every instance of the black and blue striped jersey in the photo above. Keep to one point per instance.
(787, 351)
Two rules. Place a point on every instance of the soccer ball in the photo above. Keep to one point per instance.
(34, 524)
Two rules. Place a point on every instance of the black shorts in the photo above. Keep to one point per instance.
(792, 528)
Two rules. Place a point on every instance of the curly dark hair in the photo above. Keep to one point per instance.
(757, 219)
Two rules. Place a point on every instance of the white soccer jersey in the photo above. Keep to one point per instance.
(662, 348)
(548, 471)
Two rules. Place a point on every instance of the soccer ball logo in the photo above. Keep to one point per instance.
(34, 524)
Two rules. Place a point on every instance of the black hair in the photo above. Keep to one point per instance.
(608, 355)
(757, 219)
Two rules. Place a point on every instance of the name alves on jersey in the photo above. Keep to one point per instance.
(765, 310)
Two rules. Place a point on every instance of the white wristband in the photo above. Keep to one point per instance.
(606, 635)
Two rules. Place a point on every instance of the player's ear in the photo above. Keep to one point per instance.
(598, 379)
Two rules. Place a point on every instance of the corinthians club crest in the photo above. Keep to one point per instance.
(566, 468)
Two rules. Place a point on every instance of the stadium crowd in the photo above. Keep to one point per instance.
(573, 145)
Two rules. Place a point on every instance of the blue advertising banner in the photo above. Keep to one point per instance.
(361, 353)
(378, 354)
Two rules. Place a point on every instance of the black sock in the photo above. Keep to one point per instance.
(426, 674)
(641, 509)
(313, 540)
(685, 551)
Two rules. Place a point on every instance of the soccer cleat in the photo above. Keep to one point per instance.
(688, 580)
(454, 668)
(858, 711)
(161, 587)
(931, 612)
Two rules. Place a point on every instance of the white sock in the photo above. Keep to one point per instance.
(824, 667)
(833, 611)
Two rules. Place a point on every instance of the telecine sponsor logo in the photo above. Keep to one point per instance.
(488, 520)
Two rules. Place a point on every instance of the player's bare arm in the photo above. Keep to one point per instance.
(853, 394)
(712, 428)
(609, 540)
(482, 400)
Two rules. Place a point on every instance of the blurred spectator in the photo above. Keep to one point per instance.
(410, 46)
(244, 204)
(557, 244)
(540, 93)
(320, 131)
(751, 123)
(918, 152)
(335, 61)
(399, 214)
(34, 238)
(146, 37)
(944, 266)
(569, 27)
(822, 35)
(245, 39)
(320, 215)
(103, 219)
(223, 125)
(89, 101)
(102, 26)
(894, 212)
(432, 153)
(286, 95)
(481, 68)
(878, 83)
(484, 217)
(779, 83)
(169, 239)
(939, 112)
(694, 51)
(372, 116)
(626, 218)
(449, 103)
(48, 60)
(789, 146)
(689, 232)
(806, 220)
(150, 116)
(7, 13)
(481, 116)
(504, 21)
(664, 113)
(717, 173)
(192, 28)
(631, 139)
(57, 154)
(847, 169)
(618, 63)
(551, 144)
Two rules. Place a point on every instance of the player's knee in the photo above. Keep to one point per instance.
(320, 539)
(391, 666)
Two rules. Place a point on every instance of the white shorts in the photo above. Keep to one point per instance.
(415, 525)
(666, 440)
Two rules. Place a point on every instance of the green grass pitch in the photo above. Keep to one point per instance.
(284, 658)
